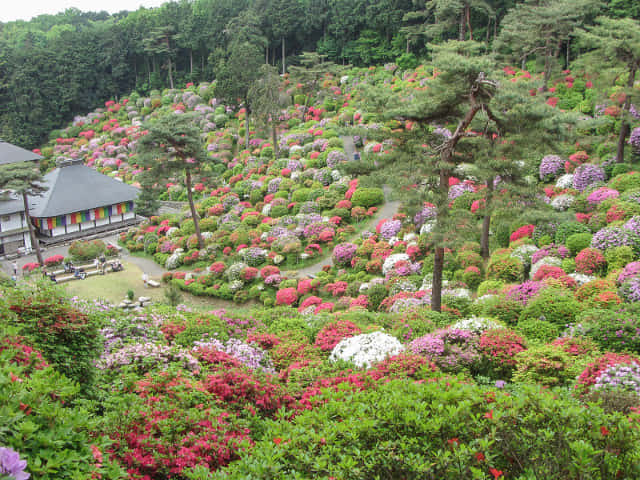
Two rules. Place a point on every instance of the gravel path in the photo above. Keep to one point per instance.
(387, 210)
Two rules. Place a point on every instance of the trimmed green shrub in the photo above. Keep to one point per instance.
(567, 229)
(367, 197)
(578, 241)
(552, 305)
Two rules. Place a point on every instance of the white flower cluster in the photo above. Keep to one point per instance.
(565, 181)
(366, 349)
(174, 260)
(562, 202)
(552, 261)
(524, 253)
(476, 324)
(581, 278)
(391, 260)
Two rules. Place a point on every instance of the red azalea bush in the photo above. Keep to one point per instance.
(332, 333)
(266, 341)
(268, 271)
(22, 354)
(522, 232)
(548, 271)
(153, 442)
(304, 286)
(576, 346)
(499, 347)
(30, 267)
(590, 261)
(53, 260)
(286, 296)
(310, 302)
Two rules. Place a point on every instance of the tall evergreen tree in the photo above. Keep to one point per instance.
(537, 28)
(267, 100)
(173, 147)
(615, 43)
(25, 179)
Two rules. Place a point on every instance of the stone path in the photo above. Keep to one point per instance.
(387, 210)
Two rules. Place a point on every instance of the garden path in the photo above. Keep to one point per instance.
(387, 210)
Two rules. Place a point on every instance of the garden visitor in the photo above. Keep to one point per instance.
(15, 268)
(145, 279)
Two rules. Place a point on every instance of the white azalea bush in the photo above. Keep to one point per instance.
(366, 349)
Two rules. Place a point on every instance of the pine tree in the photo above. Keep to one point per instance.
(616, 42)
(539, 28)
(492, 124)
(267, 100)
(25, 180)
(173, 147)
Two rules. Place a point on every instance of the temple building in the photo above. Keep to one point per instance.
(81, 200)
(14, 231)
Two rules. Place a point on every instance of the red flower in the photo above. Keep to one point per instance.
(489, 415)
(453, 441)
(480, 456)
(496, 473)
(277, 441)
(604, 431)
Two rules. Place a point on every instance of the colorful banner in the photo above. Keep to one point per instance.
(100, 213)
(81, 217)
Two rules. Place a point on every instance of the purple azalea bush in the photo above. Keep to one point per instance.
(630, 290)
(456, 190)
(601, 194)
(629, 271)
(586, 175)
(625, 377)
(450, 349)
(551, 166)
(11, 465)
(427, 213)
(343, 253)
(610, 237)
(634, 139)
(525, 291)
(390, 229)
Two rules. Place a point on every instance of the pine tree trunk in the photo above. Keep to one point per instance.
(461, 26)
(624, 126)
(32, 233)
(192, 207)
(274, 133)
(467, 12)
(170, 74)
(438, 261)
(283, 58)
(191, 62)
(486, 221)
(246, 128)
(436, 285)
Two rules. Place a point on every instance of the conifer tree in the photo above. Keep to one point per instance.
(267, 100)
(616, 43)
(539, 28)
(173, 147)
(25, 180)
(492, 124)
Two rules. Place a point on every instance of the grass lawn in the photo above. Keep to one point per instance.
(113, 287)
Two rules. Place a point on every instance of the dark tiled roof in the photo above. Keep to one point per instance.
(12, 154)
(75, 188)
(10, 203)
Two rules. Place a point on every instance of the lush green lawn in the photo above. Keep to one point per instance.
(113, 287)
